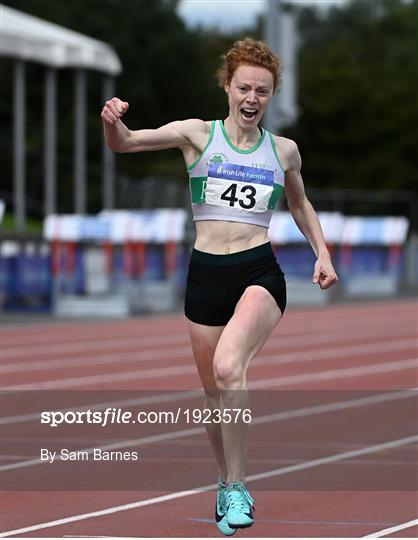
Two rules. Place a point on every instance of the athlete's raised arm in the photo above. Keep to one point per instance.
(179, 134)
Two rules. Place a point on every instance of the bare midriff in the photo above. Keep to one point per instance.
(224, 237)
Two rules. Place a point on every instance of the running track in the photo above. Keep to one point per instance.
(333, 448)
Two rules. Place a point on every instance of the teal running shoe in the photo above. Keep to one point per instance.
(239, 506)
(220, 512)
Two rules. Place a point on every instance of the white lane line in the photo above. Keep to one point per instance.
(275, 417)
(115, 358)
(95, 345)
(310, 338)
(148, 400)
(114, 446)
(180, 494)
(348, 324)
(297, 522)
(179, 352)
(58, 384)
(94, 536)
(368, 369)
(390, 530)
(336, 406)
(382, 463)
(262, 359)
(190, 369)
(335, 352)
(154, 398)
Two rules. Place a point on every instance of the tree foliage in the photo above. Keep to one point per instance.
(358, 95)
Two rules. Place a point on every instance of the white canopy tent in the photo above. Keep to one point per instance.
(30, 39)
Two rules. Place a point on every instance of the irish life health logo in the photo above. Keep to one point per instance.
(241, 173)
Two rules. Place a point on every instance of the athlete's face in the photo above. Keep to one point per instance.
(249, 93)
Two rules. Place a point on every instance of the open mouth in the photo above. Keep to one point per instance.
(248, 114)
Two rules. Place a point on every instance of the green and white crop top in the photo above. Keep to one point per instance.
(230, 184)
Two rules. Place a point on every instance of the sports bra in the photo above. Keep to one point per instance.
(230, 184)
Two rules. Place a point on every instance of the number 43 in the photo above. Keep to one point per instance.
(231, 195)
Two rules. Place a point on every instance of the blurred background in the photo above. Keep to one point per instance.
(85, 232)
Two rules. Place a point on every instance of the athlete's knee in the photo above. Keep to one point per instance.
(229, 374)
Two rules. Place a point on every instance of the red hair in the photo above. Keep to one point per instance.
(249, 51)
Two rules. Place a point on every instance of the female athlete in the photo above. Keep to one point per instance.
(236, 292)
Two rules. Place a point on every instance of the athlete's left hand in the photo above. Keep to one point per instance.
(324, 273)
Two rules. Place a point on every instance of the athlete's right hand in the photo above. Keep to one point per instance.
(113, 110)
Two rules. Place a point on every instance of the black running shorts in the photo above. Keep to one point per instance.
(215, 283)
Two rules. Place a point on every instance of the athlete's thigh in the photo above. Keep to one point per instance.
(204, 340)
(254, 319)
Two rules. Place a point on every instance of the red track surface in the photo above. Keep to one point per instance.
(337, 356)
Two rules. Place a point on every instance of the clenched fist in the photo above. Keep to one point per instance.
(113, 110)
(324, 273)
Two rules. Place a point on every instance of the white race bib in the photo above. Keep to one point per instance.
(239, 187)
